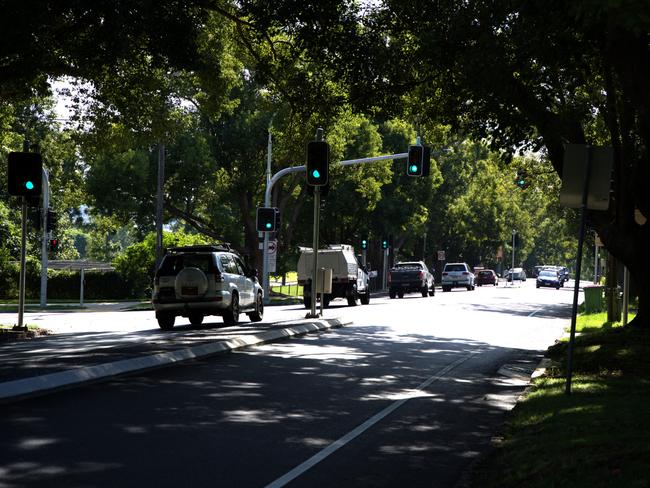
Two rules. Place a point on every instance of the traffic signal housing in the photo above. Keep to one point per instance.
(25, 174)
(384, 243)
(318, 162)
(54, 245)
(522, 180)
(52, 221)
(415, 162)
(364, 243)
(267, 219)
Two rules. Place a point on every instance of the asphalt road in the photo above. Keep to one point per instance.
(409, 395)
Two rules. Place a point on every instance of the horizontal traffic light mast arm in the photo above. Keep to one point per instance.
(298, 169)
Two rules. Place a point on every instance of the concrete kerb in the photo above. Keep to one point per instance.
(16, 390)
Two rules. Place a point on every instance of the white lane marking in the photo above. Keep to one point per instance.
(533, 313)
(357, 431)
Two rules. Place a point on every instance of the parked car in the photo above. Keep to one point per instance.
(457, 275)
(195, 281)
(410, 277)
(549, 277)
(487, 277)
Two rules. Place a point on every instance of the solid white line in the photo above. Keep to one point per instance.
(533, 313)
(357, 431)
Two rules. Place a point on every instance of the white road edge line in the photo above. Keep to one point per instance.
(357, 431)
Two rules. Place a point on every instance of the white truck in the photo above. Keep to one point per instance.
(349, 278)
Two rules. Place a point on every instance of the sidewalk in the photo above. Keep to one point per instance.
(50, 363)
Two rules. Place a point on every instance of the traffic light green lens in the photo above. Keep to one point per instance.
(268, 225)
(316, 174)
(29, 185)
(413, 168)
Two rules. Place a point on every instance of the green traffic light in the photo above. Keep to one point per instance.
(413, 168)
(268, 225)
(29, 185)
(315, 174)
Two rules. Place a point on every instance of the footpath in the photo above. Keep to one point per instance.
(50, 363)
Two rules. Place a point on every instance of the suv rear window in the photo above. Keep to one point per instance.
(455, 267)
(485, 273)
(173, 264)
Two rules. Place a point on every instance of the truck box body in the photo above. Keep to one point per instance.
(349, 279)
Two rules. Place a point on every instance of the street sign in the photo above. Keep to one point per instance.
(441, 255)
(273, 247)
(576, 157)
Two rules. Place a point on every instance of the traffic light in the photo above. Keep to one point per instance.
(54, 245)
(384, 243)
(25, 174)
(414, 165)
(266, 219)
(522, 179)
(364, 243)
(318, 162)
(52, 220)
(426, 161)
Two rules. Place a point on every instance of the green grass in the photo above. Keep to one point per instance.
(597, 436)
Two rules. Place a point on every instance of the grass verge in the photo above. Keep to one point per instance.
(597, 436)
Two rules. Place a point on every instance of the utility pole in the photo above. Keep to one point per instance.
(159, 203)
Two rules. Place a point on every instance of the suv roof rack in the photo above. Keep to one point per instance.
(224, 246)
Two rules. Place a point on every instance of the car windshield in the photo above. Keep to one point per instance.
(455, 267)
(548, 274)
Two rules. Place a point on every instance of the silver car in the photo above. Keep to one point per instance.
(195, 281)
(457, 275)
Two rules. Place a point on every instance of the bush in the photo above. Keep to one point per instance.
(138, 262)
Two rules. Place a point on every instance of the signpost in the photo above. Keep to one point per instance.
(586, 180)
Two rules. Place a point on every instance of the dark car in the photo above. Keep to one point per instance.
(549, 277)
(487, 277)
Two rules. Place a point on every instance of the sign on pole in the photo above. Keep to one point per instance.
(574, 170)
(273, 253)
(441, 255)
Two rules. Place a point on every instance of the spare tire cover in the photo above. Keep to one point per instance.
(191, 282)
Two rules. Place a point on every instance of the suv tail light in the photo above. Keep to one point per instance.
(218, 277)
(389, 277)
(421, 275)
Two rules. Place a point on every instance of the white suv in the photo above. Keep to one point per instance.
(457, 275)
(195, 281)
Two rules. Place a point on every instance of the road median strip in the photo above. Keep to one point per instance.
(47, 383)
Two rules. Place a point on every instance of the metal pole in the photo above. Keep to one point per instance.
(314, 273)
(626, 294)
(595, 260)
(576, 288)
(44, 259)
(512, 268)
(81, 290)
(21, 282)
(267, 203)
(159, 202)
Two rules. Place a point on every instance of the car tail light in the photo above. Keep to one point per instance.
(421, 275)
(218, 278)
(389, 277)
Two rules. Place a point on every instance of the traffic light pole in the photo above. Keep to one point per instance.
(44, 258)
(21, 281)
(270, 182)
(314, 273)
